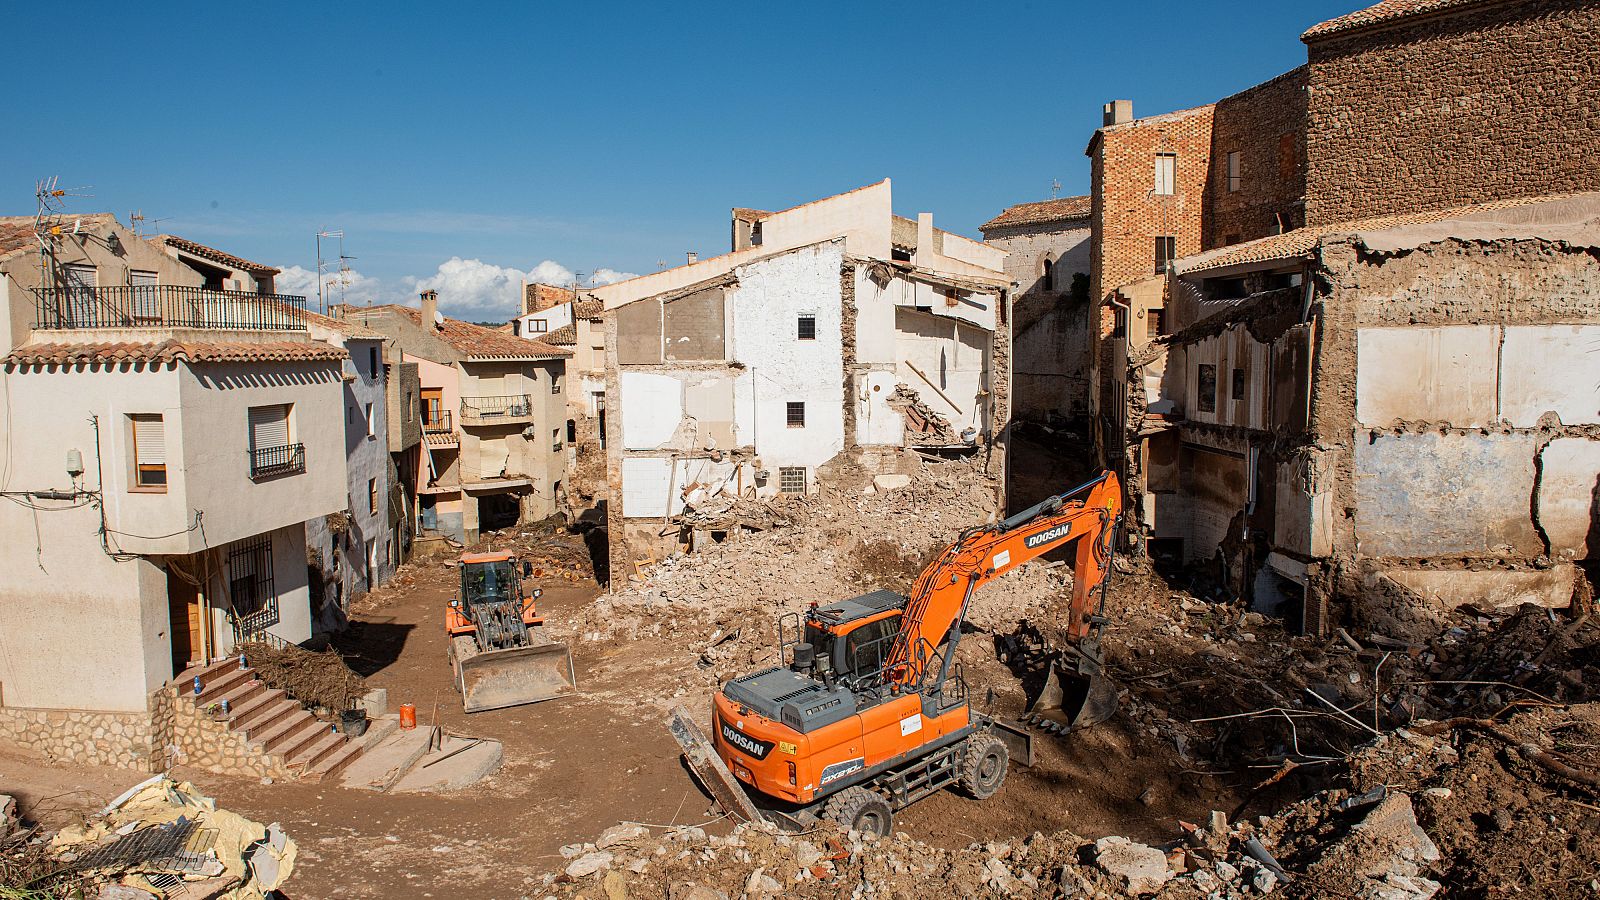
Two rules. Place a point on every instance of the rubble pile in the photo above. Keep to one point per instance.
(922, 420)
(160, 839)
(838, 544)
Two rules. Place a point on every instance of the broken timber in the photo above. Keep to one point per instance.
(709, 768)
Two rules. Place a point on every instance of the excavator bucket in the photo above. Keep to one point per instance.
(1072, 699)
(496, 679)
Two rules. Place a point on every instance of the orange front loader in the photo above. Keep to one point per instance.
(499, 654)
(872, 712)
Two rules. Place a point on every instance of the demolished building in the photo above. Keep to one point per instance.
(835, 335)
(1396, 407)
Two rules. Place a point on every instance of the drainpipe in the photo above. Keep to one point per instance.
(1121, 392)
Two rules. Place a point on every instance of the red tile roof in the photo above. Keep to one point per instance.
(171, 351)
(213, 254)
(16, 232)
(478, 342)
(1378, 13)
(588, 308)
(1302, 241)
(745, 214)
(1062, 209)
(565, 336)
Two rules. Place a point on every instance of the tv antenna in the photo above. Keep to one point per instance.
(322, 268)
(1055, 189)
(137, 218)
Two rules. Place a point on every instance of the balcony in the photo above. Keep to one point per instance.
(514, 409)
(272, 462)
(165, 306)
(439, 429)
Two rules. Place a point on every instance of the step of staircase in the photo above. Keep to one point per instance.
(291, 731)
(311, 753)
(244, 712)
(267, 721)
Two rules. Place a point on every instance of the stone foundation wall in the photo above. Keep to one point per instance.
(197, 740)
(122, 739)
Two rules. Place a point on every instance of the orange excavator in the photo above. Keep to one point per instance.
(872, 712)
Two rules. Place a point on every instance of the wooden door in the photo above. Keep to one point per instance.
(185, 623)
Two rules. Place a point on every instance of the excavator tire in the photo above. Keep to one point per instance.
(859, 809)
(462, 646)
(983, 767)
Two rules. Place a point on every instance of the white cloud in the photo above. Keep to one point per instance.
(468, 289)
(347, 287)
(604, 275)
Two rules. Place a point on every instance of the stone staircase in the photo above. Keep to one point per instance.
(265, 732)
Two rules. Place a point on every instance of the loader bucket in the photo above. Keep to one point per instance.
(496, 679)
(1072, 699)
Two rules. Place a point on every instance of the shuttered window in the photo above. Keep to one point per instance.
(149, 451)
(269, 426)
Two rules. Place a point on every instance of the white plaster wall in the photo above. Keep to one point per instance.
(1550, 368)
(876, 421)
(1568, 493)
(780, 368)
(558, 316)
(953, 355)
(875, 308)
(652, 406)
(644, 486)
(1442, 374)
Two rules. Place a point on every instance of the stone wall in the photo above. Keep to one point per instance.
(85, 737)
(198, 740)
(1493, 100)
(1266, 126)
(1050, 368)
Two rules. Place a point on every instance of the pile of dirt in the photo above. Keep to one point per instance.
(315, 679)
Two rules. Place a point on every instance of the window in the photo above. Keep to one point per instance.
(372, 363)
(806, 329)
(408, 408)
(792, 479)
(1165, 251)
(149, 452)
(271, 453)
(555, 384)
(350, 414)
(555, 439)
(1046, 264)
(1235, 181)
(572, 431)
(1156, 323)
(145, 301)
(1207, 384)
(372, 496)
(251, 589)
(371, 424)
(1166, 174)
(537, 326)
(866, 647)
(797, 415)
(80, 282)
(755, 234)
(1238, 385)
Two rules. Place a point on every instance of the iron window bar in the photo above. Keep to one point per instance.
(165, 306)
(271, 462)
(491, 409)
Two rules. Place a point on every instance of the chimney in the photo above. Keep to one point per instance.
(924, 238)
(693, 257)
(1117, 112)
(430, 308)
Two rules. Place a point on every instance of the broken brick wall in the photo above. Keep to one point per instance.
(1463, 106)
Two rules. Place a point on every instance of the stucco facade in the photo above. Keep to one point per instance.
(757, 373)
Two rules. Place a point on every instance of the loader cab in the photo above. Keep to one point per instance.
(851, 639)
(492, 577)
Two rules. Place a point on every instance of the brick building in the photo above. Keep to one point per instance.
(1417, 104)
(1047, 246)
(1257, 160)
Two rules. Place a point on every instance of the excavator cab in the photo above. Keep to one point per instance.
(848, 641)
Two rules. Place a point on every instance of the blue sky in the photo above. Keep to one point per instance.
(461, 146)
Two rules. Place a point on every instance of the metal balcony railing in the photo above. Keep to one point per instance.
(440, 421)
(494, 410)
(165, 306)
(270, 462)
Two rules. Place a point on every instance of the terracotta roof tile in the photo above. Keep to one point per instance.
(1378, 13)
(565, 336)
(745, 214)
(589, 308)
(1302, 241)
(1062, 209)
(16, 232)
(213, 254)
(173, 351)
(478, 342)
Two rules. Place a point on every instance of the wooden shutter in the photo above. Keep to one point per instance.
(269, 426)
(149, 441)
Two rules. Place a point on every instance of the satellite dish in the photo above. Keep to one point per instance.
(438, 318)
(77, 226)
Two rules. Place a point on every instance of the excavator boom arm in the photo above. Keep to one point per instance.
(938, 600)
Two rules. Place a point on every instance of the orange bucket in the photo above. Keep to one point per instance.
(408, 715)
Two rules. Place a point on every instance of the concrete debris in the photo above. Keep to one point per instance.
(10, 821)
(924, 425)
(589, 863)
(1138, 868)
